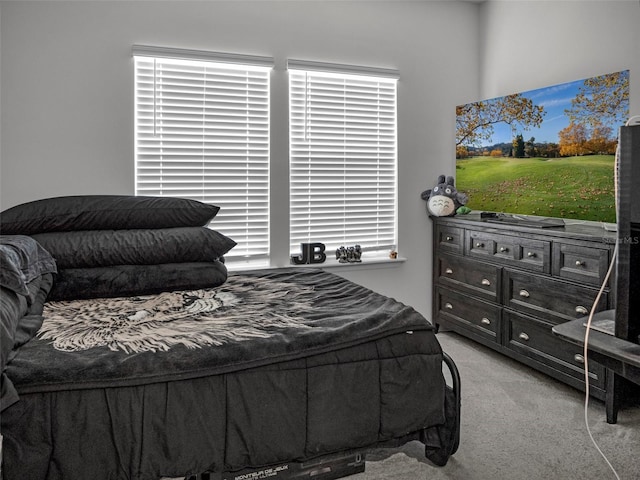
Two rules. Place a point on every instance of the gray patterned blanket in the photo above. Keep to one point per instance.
(255, 318)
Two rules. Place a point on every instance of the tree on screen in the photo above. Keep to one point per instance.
(474, 121)
(602, 100)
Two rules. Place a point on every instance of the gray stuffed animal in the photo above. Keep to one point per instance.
(443, 200)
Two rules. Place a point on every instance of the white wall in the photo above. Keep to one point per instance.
(531, 44)
(67, 93)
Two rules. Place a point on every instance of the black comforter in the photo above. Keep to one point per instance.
(272, 366)
(255, 318)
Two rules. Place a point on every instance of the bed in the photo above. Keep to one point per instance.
(129, 352)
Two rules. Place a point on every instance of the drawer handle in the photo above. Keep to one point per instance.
(523, 336)
(579, 263)
(524, 293)
(480, 245)
(581, 310)
(448, 306)
(578, 358)
(485, 282)
(504, 249)
(531, 254)
(485, 321)
(449, 238)
(448, 271)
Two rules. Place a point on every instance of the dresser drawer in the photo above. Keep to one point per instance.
(449, 239)
(580, 263)
(526, 253)
(480, 278)
(534, 339)
(553, 300)
(470, 313)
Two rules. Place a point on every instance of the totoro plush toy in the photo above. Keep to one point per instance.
(443, 200)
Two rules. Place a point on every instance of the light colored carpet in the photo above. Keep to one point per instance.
(518, 424)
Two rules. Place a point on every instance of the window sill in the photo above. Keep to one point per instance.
(366, 263)
(329, 264)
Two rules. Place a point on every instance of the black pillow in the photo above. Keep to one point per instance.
(104, 212)
(102, 248)
(128, 280)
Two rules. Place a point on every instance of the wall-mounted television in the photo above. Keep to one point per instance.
(548, 152)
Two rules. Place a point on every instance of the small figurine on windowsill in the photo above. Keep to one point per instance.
(393, 255)
(349, 254)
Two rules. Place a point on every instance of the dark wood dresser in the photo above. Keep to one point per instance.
(506, 286)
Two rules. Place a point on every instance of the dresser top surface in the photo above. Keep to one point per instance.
(575, 229)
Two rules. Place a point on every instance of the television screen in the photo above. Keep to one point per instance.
(548, 152)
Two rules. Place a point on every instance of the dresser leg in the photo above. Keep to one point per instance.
(613, 396)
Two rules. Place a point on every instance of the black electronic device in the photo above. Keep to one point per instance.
(502, 171)
(627, 280)
(534, 222)
(327, 467)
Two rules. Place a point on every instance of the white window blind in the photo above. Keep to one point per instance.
(343, 158)
(202, 132)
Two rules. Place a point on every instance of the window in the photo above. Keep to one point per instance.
(343, 157)
(202, 132)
